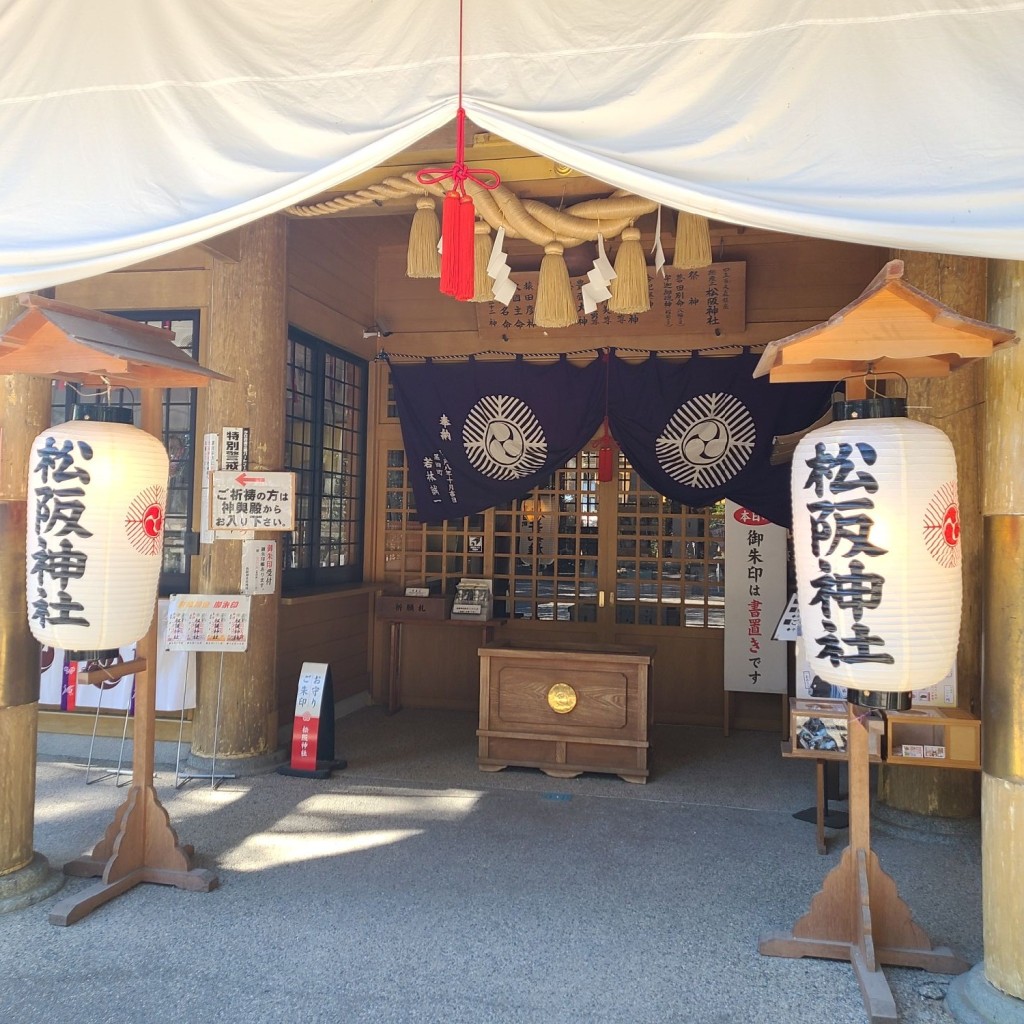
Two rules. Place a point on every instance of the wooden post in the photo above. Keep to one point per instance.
(1000, 979)
(247, 340)
(954, 404)
(25, 876)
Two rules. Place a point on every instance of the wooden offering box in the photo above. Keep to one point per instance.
(565, 709)
(936, 737)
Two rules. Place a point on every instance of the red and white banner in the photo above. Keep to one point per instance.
(755, 598)
(306, 727)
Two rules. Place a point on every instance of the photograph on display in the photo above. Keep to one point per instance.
(813, 732)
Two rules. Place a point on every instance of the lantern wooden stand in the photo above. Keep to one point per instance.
(54, 339)
(892, 328)
(858, 914)
(139, 844)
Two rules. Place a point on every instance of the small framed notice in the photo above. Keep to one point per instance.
(473, 600)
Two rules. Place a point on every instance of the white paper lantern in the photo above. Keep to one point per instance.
(96, 497)
(876, 536)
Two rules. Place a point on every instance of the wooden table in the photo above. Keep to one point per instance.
(396, 622)
(565, 708)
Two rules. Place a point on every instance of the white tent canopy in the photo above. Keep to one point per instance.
(133, 129)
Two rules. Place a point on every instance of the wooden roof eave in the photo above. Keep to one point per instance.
(891, 327)
(65, 342)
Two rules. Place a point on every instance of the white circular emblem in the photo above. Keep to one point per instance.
(707, 441)
(503, 439)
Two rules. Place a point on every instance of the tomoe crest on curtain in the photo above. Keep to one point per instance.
(478, 434)
(702, 430)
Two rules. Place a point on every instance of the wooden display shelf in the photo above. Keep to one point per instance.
(936, 738)
(818, 730)
(565, 709)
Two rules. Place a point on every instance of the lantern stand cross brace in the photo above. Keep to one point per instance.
(139, 844)
(858, 915)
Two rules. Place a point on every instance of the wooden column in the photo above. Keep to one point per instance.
(954, 404)
(24, 411)
(247, 339)
(1003, 704)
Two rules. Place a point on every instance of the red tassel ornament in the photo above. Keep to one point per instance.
(458, 215)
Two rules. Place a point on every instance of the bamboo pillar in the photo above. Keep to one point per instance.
(954, 404)
(247, 340)
(985, 991)
(25, 876)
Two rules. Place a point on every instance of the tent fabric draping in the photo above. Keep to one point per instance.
(133, 129)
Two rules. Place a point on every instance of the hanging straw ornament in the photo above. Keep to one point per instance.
(481, 257)
(693, 242)
(423, 259)
(630, 291)
(555, 305)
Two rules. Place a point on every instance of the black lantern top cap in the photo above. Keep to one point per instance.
(102, 413)
(876, 407)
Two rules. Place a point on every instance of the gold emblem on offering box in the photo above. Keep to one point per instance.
(561, 698)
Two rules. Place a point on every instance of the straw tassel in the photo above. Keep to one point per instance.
(555, 306)
(630, 289)
(457, 218)
(423, 259)
(481, 255)
(693, 242)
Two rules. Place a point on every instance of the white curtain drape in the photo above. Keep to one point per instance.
(131, 129)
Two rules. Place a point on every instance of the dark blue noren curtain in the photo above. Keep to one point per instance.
(701, 430)
(478, 434)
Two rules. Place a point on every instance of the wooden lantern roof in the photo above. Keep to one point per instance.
(53, 339)
(891, 328)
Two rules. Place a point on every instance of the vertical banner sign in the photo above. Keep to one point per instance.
(755, 599)
(309, 698)
(211, 464)
(259, 566)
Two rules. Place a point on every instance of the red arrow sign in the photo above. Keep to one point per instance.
(243, 479)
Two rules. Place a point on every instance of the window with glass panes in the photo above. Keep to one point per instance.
(670, 559)
(542, 550)
(179, 425)
(325, 446)
(415, 553)
(546, 547)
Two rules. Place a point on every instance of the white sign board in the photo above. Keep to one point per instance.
(755, 598)
(234, 448)
(210, 465)
(252, 500)
(259, 566)
(208, 622)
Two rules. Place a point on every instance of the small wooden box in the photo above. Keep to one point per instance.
(934, 737)
(398, 606)
(818, 729)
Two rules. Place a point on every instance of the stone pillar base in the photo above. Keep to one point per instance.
(28, 885)
(972, 999)
(258, 764)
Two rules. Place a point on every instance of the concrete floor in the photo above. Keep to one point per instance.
(411, 887)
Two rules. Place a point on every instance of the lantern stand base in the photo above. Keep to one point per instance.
(858, 915)
(139, 844)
